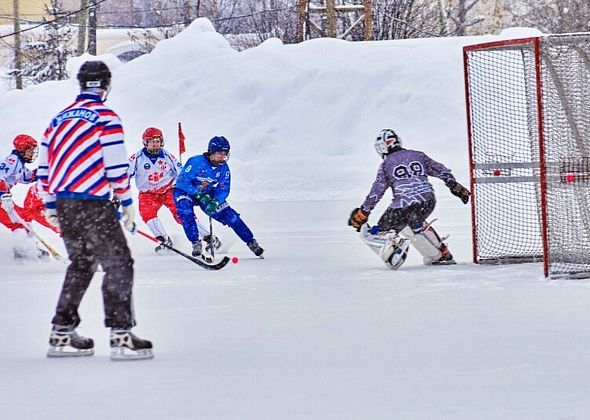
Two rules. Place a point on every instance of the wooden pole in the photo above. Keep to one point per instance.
(82, 26)
(92, 28)
(17, 46)
(331, 18)
(368, 21)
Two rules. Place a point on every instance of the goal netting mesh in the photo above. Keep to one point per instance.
(529, 125)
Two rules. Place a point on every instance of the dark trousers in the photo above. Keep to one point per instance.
(93, 235)
(413, 215)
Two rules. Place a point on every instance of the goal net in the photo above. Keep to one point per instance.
(528, 112)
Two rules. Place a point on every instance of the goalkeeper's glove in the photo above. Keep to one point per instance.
(459, 191)
(357, 218)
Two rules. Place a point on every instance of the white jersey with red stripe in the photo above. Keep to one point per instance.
(13, 171)
(82, 154)
(156, 174)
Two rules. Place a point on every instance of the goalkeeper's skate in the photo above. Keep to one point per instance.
(64, 341)
(394, 252)
(391, 248)
(127, 346)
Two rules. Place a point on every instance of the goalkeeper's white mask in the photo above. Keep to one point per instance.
(386, 141)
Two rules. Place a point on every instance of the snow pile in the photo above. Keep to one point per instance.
(301, 118)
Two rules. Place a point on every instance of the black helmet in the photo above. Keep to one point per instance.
(94, 74)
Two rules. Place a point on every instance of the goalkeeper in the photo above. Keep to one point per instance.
(204, 181)
(406, 173)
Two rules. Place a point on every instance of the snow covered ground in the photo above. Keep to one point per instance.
(320, 329)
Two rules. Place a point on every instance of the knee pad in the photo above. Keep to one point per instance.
(423, 244)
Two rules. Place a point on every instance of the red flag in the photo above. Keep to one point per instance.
(181, 138)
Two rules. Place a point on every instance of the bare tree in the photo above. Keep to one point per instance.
(45, 52)
(456, 12)
(561, 16)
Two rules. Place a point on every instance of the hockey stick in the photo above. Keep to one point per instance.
(17, 219)
(197, 261)
(211, 237)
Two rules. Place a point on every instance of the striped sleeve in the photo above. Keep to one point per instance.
(43, 175)
(115, 160)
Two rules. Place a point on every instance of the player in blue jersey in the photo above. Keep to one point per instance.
(205, 182)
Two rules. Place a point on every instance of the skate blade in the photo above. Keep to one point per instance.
(124, 353)
(207, 258)
(449, 262)
(68, 351)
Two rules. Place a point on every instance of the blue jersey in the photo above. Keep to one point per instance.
(198, 175)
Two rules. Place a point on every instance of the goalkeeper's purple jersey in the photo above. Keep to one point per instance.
(406, 173)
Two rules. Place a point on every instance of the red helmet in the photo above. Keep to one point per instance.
(24, 142)
(152, 133)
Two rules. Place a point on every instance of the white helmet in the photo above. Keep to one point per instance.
(386, 141)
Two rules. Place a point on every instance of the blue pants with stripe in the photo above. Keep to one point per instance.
(227, 216)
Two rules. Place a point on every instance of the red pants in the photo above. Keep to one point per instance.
(150, 203)
(33, 210)
(6, 221)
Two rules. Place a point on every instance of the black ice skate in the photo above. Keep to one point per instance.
(216, 243)
(64, 341)
(198, 252)
(255, 248)
(162, 248)
(197, 249)
(127, 346)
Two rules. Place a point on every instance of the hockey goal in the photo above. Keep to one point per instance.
(528, 121)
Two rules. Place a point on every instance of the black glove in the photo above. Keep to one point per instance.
(459, 191)
(357, 218)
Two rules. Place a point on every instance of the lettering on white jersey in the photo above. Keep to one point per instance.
(77, 113)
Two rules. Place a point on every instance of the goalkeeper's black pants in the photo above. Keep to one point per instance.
(92, 235)
(413, 215)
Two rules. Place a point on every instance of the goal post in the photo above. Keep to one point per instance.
(528, 123)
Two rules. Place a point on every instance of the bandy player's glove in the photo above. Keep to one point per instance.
(51, 217)
(459, 191)
(357, 218)
(6, 202)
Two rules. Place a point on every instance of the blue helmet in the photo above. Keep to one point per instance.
(218, 144)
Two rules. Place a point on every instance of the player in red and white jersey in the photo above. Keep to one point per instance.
(13, 171)
(155, 170)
